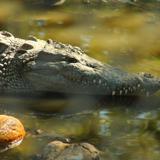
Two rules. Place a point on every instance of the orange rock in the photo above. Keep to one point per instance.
(11, 132)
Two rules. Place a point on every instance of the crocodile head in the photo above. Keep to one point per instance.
(40, 66)
(67, 69)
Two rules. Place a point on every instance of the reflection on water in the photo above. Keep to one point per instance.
(122, 128)
(122, 34)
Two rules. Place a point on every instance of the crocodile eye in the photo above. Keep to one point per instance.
(71, 59)
(3, 47)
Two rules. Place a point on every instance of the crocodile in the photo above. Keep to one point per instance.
(33, 65)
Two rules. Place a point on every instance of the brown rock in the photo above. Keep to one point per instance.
(58, 150)
(11, 132)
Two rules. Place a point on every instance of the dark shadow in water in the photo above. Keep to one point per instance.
(66, 104)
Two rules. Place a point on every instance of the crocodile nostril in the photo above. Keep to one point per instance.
(147, 75)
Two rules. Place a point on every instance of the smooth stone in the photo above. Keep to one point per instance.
(12, 132)
(58, 150)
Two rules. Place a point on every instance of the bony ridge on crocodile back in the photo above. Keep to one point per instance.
(35, 65)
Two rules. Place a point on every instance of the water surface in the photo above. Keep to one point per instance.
(125, 35)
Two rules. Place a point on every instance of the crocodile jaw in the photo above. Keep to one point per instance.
(50, 76)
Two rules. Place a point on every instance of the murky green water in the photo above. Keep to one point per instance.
(124, 35)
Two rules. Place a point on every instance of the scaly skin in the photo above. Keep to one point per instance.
(36, 65)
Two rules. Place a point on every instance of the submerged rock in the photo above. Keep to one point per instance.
(58, 150)
(11, 132)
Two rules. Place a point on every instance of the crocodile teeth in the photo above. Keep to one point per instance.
(147, 94)
(113, 93)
